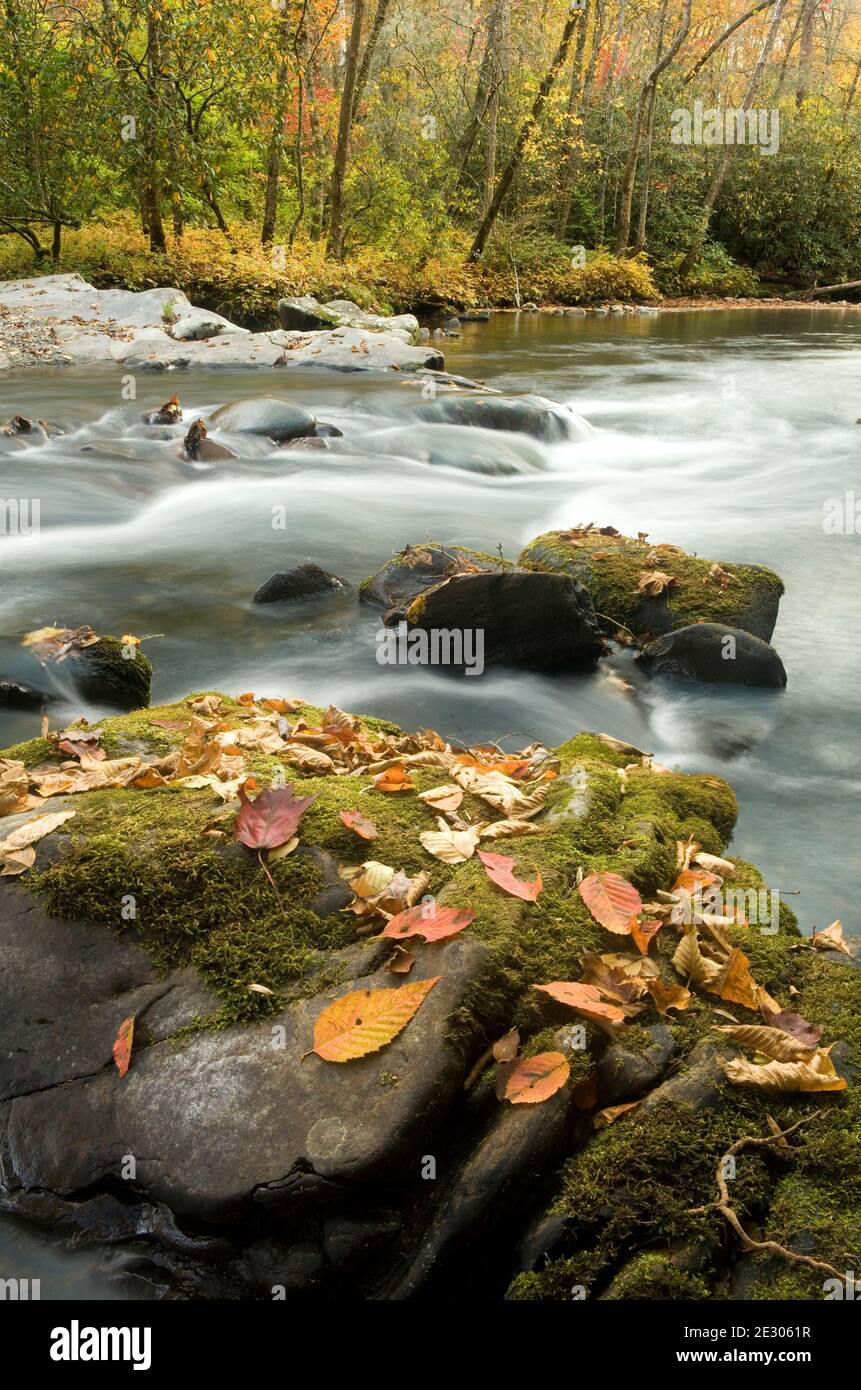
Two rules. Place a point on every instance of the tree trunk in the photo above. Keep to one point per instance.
(643, 212)
(157, 240)
(526, 131)
(480, 104)
(647, 93)
(339, 170)
(500, 64)
(808, 15)
(368, 55)
(717, 183)
(275, 152)
(569, 171)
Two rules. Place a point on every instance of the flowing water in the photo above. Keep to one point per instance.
(728, 433)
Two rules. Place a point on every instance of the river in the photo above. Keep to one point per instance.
(726, 432)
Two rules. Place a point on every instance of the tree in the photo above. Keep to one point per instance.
(339, 170)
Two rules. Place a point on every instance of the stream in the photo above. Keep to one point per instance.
(724, 432)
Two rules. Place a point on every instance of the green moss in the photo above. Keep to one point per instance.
(611, 566)
(652, 1275)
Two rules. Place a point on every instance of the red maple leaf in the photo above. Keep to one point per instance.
(271, 818)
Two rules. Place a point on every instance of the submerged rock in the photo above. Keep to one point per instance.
(168, 414)
(614, 567)
(306, 581)
(524, 414)
(14, 696)
(711, 652)
(111, 672)
(268, 415)
(200, 449)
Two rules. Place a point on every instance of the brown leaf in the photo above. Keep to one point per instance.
(612, 1112)
(505, 1048)
(535, 1079)
(804, 1033)
(817, 1074)
(445, 798)
(831, 939)
(429, 921)
(586, 1000)
(394, 779)
(402, 961)
(668, 997)
(654, 582)
(771, 1042)
(364, 828)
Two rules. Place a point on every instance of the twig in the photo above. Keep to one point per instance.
(749, 1141)
(265, 867)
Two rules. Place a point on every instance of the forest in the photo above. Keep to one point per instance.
(421, 154)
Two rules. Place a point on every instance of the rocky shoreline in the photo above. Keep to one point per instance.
(61, 320)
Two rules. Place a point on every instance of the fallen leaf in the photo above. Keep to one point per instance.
(260, 989)
(309, 760)
(33, 830)
(394, 779)
(433, 924)
(804, 1033)
(498, 868)
(445, 798)
(505, 1048)
(369, 879)
(654, 582)
(612, 900)
(817, 1074)
(831, 939)
(122, 1049)
(586, 1000)
(612, 1112)
(668, 997)
(18, 861)
(715, 864)
(451, 846)
(364, 828)
(505, 829)
(642, 932)
(735, 982)
(535, 1079)
(690, 962)
(770, 1042)
(402, 961)
(271, 818)
(366, 1020)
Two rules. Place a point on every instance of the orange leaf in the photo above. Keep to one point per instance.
(642, 933)
(690, 879)
(354, 820)
(735, 982)
(612, 1112)
(668, 996)
(498, 869)
(122, 1048)
(394, 779)
(586, 999)
(433, 925)
(246, 699)
(366, 1020)
(537, 1078)
(612, 901)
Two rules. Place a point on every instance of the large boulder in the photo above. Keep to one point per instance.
(544, 621)
(268, 415)
(623, 576)
(303, 312)
(711, 652)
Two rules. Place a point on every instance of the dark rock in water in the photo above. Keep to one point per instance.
(415, 569)
(306, 581)
(303, 312)
(475, 315)
(197, 447)
(311, 441)
(14, 696)
(523, 414)
(111, 672)
(329, 431)
(19, 424)
(625, 1071)
(268, 415)
(543, 621)
(168, 414)
(710, 652)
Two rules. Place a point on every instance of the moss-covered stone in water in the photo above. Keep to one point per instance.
(611, 566)
(112, 672)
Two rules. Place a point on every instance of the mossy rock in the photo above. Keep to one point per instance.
(112, 672)
(610, 566)
(418, 567)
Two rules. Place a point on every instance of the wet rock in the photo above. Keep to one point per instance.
(112, 672)
(168, 414)
(493, 454)
(306, 581)
(524, 414)
(452, 327)
(312, 442)
(498, 1176)
(14, 696)
(416, 568)
(476, 315)
(268, 415)
(612, 566)
(627, 1069)
(19, 424)
(200, 449)
(305, 312)
(328, 431)
(543, 621)
(183, 1109)
(529, 308)
(710, 652)
(699, 1087)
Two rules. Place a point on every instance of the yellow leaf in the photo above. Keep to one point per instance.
(817, 1074)
(452, 846)
(366, 1020)
(771, 1042)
